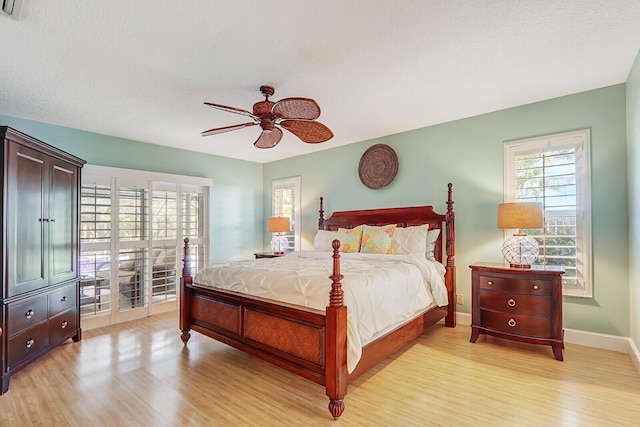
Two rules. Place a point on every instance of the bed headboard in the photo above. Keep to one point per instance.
(403, 217)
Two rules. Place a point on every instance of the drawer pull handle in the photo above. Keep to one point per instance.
(511, 302)
(64, 324)
(535, 287)
(63, 299)
(490, 282)
(29, 314)
(512, 323)
(30, 342)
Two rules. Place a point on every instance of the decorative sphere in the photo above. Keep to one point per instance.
(520, 250)
(279, 244)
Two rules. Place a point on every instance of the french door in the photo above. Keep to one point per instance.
(131, 238)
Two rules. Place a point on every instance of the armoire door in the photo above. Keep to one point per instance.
(62, 223)
(26, 220)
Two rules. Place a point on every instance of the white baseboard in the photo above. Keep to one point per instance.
(589, 339)
(463, 318)
(593, 339)
(635, 355)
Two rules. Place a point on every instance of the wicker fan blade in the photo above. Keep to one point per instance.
(308, 131)
(296, 108)
(231, 109)
(216, 131)
(268, 139)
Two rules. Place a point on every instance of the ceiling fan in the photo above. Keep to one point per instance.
(297, 115)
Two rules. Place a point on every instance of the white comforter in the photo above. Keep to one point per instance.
(380, 291)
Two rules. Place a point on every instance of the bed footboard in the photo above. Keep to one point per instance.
(310, 343)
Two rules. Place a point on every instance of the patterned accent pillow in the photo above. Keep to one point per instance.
(410, 240)
(377, 240)
(322, 241)
(350, 238)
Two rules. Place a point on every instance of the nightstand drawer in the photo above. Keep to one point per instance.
(516, 324)
(516, 303)
(521, 286)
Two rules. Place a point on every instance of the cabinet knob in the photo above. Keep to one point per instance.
(512, 322)
(30, 342)
(511, 302)
(29, 314)
(64, 324)
(535, 287)
(52, 220)
(490, 282)
(63, 299)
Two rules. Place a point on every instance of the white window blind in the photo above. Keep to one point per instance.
(554, 170)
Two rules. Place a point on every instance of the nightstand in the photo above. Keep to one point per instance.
(520, 304)
(267, 255)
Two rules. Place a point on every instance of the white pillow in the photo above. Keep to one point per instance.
(432, 236)
(410, 240)
(415, 240)
(323, 239)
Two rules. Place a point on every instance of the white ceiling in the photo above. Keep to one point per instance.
(142, 69)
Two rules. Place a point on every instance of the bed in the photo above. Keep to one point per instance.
(312, 341)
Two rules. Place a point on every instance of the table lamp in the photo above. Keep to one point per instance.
(520, 250)
(279, 225)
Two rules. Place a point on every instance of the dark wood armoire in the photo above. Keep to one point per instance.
(39, 296)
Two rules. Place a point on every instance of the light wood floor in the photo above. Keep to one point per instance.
(140, 374)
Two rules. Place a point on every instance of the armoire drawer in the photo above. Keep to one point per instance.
(27, 343)
(25, 314)
(62, 299)
(61, 325)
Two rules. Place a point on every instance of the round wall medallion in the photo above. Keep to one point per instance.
(378, 166)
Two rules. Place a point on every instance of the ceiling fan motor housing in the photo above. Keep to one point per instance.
(297, 115)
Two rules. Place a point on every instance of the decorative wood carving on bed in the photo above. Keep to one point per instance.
(308, 342)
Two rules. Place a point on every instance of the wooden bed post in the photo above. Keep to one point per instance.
(450, 277)
(185, 294)
(321, 216)
(336, 351)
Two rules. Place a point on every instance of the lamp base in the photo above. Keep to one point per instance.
(520, 265)
(520, 251)
(279, 244)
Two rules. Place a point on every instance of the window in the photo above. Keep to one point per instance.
(285, 195)
(132, 227)
(555, 170)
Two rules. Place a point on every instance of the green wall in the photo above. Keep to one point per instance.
(236, 198)
(466, 152)
(469, 153)
(633, 147)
